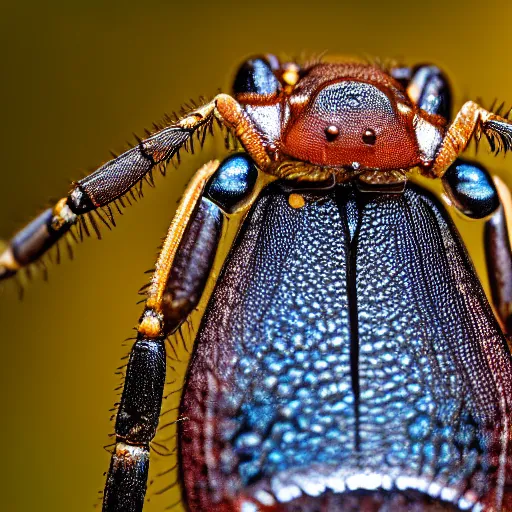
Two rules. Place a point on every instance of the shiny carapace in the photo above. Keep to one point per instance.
(348, 358)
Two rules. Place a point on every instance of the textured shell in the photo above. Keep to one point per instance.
(348, 346)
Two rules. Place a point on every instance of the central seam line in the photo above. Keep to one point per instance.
(354, 329)
(343, 197)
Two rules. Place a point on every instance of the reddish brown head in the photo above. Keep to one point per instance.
(351, 116)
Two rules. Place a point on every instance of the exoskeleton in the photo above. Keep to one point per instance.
(348, 358)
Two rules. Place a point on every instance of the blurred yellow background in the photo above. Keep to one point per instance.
(77, 78)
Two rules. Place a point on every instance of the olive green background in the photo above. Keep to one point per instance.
(77, 78)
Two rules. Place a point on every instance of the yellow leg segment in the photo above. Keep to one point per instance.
(471, 120)
(151, 324)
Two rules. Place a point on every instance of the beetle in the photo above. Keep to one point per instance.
(348, 358)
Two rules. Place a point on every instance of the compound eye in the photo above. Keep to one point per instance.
(471, 189)
(256, 75)
(430, 90)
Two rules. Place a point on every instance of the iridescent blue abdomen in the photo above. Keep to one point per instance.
(348, 351)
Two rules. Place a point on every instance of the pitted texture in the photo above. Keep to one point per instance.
(348, 345)
(433, 366)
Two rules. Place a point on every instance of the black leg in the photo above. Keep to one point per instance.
(498, 252)
(117, 177)
(182, 270)
(136, 424)
(110, 182)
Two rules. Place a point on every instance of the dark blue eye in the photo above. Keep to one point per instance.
(434, 93)
(233, 181)
(471, 189)
(256, 76)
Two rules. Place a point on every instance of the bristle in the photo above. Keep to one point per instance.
(108, 212)
(167, 471)
(109, 448)
(499, 109)
(149, 179)
(29, 273)
(140, 192)
(57, 254)
(499, 135)
(143, 289)
(176, 358)
(476, 140)
(69, 247)
(174, 505)
(80, 230)
(43, 268)
(94, 225)
(162, 167)
(127, 197)
(21, 289)
(88, 222)
(377, 62)
(86, 227)
(310, 60)
(203, 133)
(98, 214)
(72, 234)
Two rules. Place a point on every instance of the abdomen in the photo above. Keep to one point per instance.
(347, 356)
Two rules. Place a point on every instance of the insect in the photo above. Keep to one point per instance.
(348, 358)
